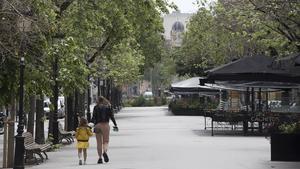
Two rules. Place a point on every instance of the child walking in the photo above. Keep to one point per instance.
(83, 133)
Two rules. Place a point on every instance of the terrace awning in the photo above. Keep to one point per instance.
(258, 71)
(191, 86)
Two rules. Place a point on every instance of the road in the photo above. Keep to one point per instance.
(152, 138)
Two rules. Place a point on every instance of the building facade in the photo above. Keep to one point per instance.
(175, 24)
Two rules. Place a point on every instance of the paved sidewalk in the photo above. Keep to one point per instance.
(151, 138)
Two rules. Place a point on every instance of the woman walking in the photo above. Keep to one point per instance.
(101, 114)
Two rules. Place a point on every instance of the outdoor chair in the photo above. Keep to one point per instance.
(65, 135)
(32, 148)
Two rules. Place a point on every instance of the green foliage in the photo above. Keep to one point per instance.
(227, 30)
(193, 103)
(145, 101)
(72, 68)
(8, 78)
(111, 39)
(139, 101)
(162, 73)
(125, 63)
(159, 101)
(126, 103)
(167, 69)
(50, 138)
(187, 103)
(290, 128)
(280, 17)
(202, 47)
(55, 147)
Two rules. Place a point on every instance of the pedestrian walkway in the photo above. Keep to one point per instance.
(151, 138)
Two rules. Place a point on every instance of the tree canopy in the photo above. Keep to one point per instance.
(227, 30)
(112, 39)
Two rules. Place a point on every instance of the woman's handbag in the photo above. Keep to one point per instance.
(115, 128)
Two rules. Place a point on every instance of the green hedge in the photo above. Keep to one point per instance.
(145, 102)
(191, 106)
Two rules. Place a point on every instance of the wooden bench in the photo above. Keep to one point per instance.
(65, 135)
(32, 148)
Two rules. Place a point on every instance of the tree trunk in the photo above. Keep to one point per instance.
(76, 110)
(89, 99)
(112, 98)
(103, 88)
(70, 113)
(40, 117)
(99, 88)
(30, 121)
(53, 123)
(50, 125)
(119, 99)
(81, 104)
(108, 89)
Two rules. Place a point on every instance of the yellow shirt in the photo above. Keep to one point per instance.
(83, 133)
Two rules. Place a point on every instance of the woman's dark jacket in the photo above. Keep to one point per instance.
(102, 114)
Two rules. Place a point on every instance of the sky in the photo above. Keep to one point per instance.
(186, 6)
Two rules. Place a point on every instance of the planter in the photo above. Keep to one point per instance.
(285, 147)
(187, 112)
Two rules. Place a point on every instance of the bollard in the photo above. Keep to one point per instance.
(8, 144)
(11, 143)
(5, 136)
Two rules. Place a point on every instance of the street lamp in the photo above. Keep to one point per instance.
(19, 150)
(100, 87)
(24, 25)
(159, 92)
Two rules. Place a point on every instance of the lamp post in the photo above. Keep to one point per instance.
(101, 87)
(19, 150)
(159, 92)
(19, 145)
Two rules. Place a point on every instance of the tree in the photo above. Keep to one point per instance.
(69, 40)
(226, 30)
(283, 17)
(258, 27)
(203, 44)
